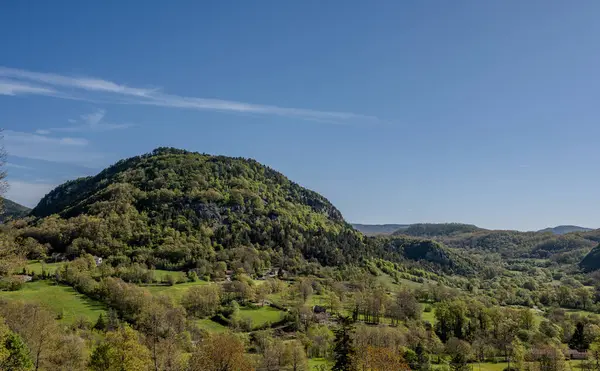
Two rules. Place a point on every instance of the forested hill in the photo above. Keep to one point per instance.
(236, 182)
(172, 208)
(175, 209)
(12, 210)
(564, 229)
(563, 244)
(437, 229)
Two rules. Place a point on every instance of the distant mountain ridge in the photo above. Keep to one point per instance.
(379, 229)
(12, 210)
(415, 229)
(564, 229)
(437, 229)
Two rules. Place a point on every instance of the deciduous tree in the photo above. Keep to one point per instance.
(202, 301)
(383, 359)
(14, 355)
(120, 351)
(220, 352)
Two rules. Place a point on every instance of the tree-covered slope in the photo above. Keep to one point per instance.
(173, 208)
(437, 229)
(593, 235)
(568, 248)
(591, 261)
(242, 183)
(430, 254)
(12, 210)
(564, 229)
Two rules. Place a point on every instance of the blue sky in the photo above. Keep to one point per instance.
(483, 112)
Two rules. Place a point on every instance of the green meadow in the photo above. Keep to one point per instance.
(63, 300)
(176, 291)
(37, 267)
(262, 315)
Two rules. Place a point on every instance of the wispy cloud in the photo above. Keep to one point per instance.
(71, 87)
(93, 122)
(55, 149)
(73, 141)
(85, 83)
(13, 137)
(8, 87)
(17, 166)
(27, 193)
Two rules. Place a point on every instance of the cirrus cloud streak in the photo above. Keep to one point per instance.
(86, 88)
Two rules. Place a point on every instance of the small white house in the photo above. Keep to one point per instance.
(98, 260)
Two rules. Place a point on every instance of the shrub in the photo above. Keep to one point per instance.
(11, 284)
(170, 279)
(192, 276)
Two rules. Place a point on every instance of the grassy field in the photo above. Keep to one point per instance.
(388, 282)
(402, 283)
(160, 275)
(210, 326)
(37, 267)
(279, 298)
(489, 366)
(176, 291)
(313, 363)
(283, 299)
(428, 316)
(261, 315)
(60, 299)
(317, 300)
(582, 313)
